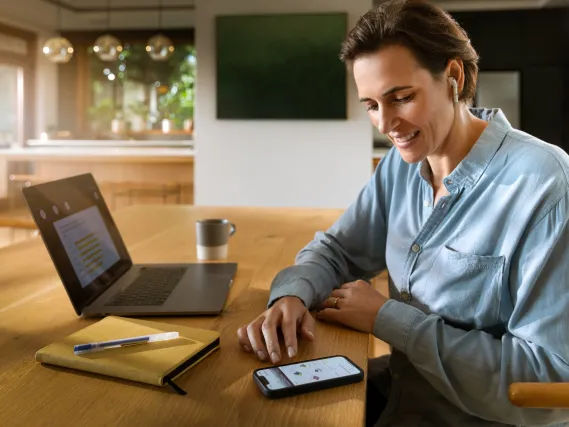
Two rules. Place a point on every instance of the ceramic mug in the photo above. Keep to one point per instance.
(212, 237)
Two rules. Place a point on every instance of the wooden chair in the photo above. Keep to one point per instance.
(539, 395)
(14, 224)
(138, 190)
(19, 182)
(22, 223)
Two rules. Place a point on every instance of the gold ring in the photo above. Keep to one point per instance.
(336, 302)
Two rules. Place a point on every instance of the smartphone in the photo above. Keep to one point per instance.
(309, 375)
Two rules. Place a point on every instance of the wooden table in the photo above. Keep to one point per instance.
(35, 310)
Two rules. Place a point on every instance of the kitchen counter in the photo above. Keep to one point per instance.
(186, 143)
(115, 167)
(124, 154)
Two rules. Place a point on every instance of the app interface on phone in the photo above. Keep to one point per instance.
(311, 371)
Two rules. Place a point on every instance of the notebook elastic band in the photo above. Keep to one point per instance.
(176, 388)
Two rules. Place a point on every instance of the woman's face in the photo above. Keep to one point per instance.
(404, 101)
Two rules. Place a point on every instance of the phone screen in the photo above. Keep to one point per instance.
(310, 371)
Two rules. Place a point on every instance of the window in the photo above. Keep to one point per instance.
(139, 97)
(133, 97)
(11, 104)
(16, 85)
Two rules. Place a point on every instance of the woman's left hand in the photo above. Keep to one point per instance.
(354, 304)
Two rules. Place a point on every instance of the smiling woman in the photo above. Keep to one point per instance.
(410, 105)
(470, 217)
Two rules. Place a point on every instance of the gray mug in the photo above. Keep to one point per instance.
(212, 236)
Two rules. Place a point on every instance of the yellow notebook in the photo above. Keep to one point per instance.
(156, 363)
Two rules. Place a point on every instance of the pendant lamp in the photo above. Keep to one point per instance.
(58, 49)
(159, 47)
(107, 47)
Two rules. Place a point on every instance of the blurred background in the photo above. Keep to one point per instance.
(231, 102)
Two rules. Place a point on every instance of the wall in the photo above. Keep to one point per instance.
(30, 15)
(268, 162)
(86, 21)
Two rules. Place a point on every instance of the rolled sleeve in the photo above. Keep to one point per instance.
(395, 321)
(300, 288)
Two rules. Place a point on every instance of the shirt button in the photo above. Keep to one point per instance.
(449, 181)
(426, 203)
(405, 296)
(415, 248)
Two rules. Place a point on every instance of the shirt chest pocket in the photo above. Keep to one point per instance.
(465, 288)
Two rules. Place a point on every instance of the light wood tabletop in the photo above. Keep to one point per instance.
(35, 311)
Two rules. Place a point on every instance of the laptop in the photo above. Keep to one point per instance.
(96, 269)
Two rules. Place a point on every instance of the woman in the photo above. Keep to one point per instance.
(470, 217)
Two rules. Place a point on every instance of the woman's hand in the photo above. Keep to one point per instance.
(354, 304)
(260, 336)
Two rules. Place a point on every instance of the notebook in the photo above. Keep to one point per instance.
(95, 266)
(156, 363)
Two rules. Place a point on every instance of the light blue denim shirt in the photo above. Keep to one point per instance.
(479, 282)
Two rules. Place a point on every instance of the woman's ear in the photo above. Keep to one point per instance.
(455, 69)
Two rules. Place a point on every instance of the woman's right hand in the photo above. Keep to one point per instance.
(260, 336)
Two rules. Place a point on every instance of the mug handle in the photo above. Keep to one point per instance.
(232, 229)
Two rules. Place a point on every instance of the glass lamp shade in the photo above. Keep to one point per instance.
(107, 48)
(58, 50)
(159, 47)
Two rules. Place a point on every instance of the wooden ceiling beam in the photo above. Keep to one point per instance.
(72, 8)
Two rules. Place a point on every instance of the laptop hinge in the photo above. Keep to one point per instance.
(117, 276)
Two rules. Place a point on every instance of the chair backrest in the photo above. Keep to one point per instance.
(10, 222)
(539, 395)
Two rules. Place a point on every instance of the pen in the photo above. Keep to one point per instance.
(143, 339)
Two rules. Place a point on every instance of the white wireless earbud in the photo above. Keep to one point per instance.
(454, 85)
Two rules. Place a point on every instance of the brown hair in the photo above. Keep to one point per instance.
(430, 33)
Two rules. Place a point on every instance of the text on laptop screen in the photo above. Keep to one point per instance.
(87, 243)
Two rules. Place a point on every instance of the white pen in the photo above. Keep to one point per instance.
(143, 339)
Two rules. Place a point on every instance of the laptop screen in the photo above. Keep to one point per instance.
(87, 243)
(80, 235)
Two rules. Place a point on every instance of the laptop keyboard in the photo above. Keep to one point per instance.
(152, 287)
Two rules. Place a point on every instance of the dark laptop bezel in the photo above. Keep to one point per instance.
(81, 192)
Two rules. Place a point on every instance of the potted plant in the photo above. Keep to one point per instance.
(101, 116)
(137, 116)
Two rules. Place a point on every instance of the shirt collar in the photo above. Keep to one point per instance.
(470, 169)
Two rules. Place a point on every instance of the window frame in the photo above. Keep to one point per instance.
(26, 114)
